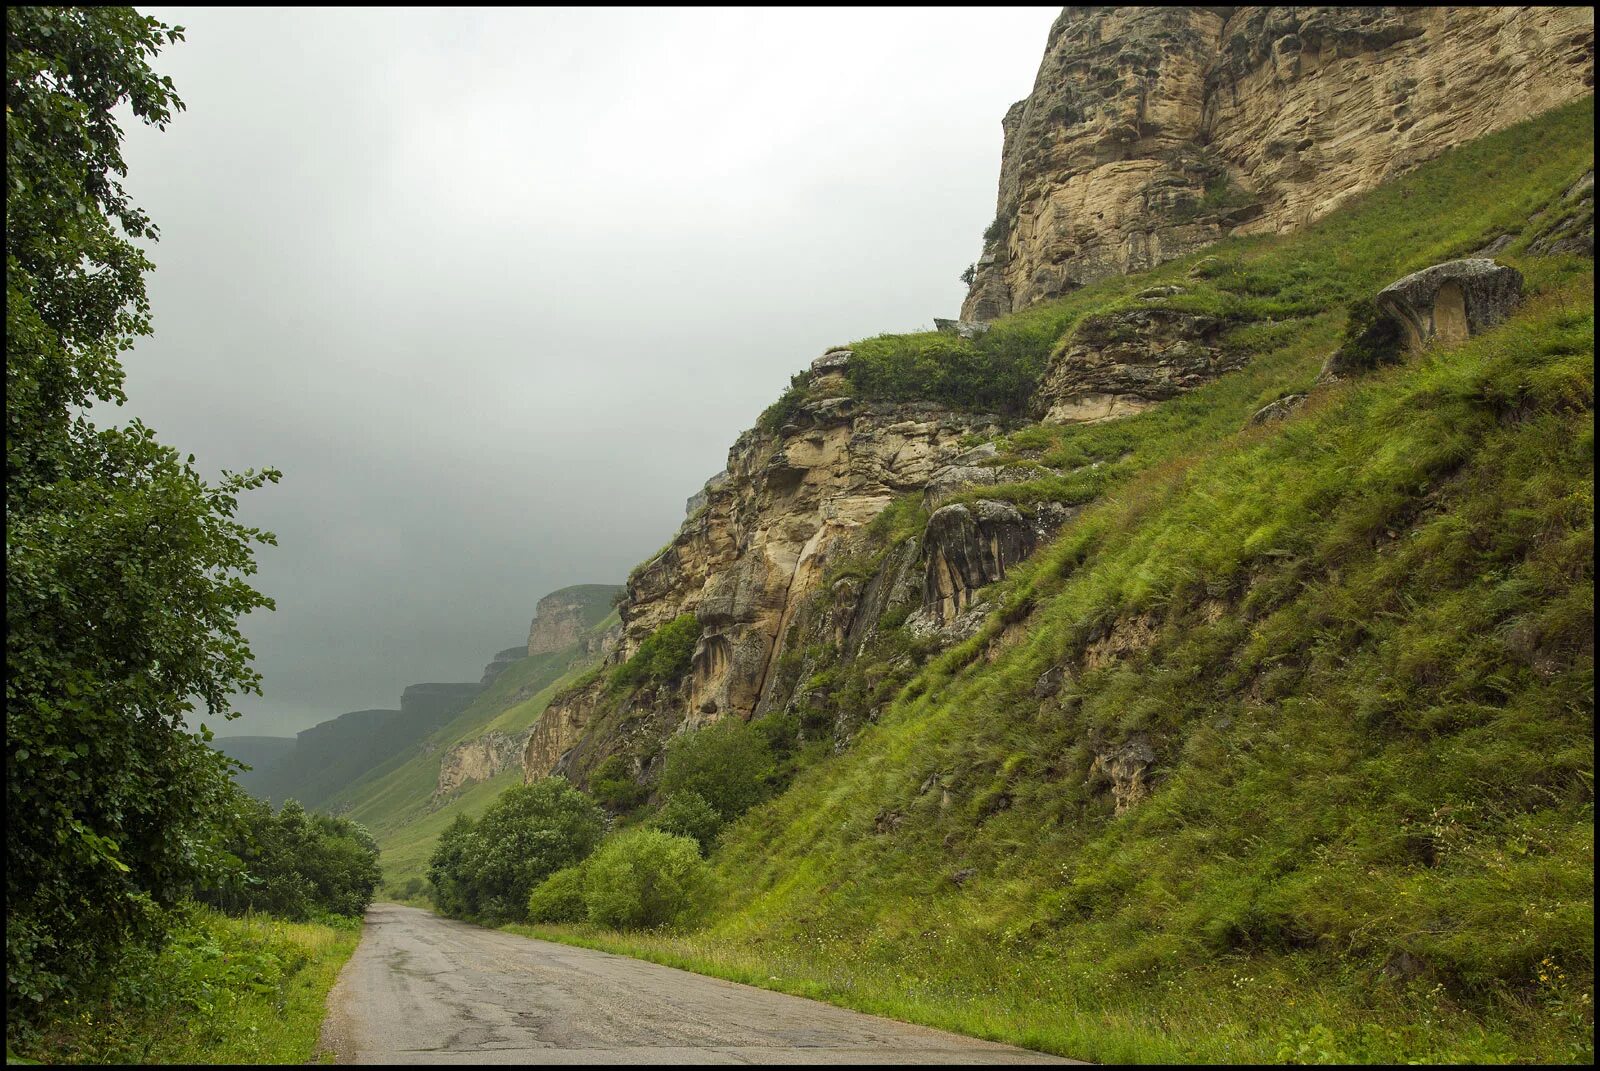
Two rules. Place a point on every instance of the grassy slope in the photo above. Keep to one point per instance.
(1367, 674)
(396, 801)
(247, 990)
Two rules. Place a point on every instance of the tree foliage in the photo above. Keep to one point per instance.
(486, 869)
(728, 764)
(297, 864)
(125, 570)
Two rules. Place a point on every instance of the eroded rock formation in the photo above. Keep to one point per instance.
(1122, 363)
(480, 759)
(562, 617)
(1151, 132)
(1452, 301)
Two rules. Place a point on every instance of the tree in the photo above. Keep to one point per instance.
(125, 570)
(727, 764)
(487, 869)
(687, 814)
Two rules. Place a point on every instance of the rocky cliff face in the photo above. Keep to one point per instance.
(1153, 131)
(480, 759)
(562, 617)
(761, 536)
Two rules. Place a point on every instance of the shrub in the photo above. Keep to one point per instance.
(644, 878)
(612, 784)
(780, 412)
(487, 869)
(687, 814)
(664, 656)
(728, 764)
(559, 898)
(1370, 338)
(999, 229)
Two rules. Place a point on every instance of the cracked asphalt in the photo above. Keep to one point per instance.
(423, 989)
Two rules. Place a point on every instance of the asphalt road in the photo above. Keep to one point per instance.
(422, 989)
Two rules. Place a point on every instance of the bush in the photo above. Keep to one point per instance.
(780, 412)
(1370, 339)
(559, 898)
(664, 656)
(487, 869)
(687, 814)
(612, 784)
(728, 764)
(644, 878)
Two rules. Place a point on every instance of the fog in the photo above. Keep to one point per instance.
(496, 290)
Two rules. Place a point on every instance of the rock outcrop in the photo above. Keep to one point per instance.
(562, 617)
(1121, 363)
(1452, 301)
(1151, 132)
(968, 547)
(1124, 771)
(790, 502)
(478, 760)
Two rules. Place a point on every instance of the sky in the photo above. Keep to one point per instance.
(496, 290)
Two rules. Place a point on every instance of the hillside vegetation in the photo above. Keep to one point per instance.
(396, 801)
(1358, 644)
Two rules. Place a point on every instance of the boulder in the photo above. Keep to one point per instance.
(1451, 302)
(831, 362)
(1124, 770)
(960, 328)
(1272, 412)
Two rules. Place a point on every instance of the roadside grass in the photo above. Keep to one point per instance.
(250, 990)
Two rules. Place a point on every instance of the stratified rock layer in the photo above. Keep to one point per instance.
(1151, 132)
(562, 617)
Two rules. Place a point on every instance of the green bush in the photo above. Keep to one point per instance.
(780, 412)
(645, 878)
(612, 784)
(487, 869)
(1370, 339)
(664, 656)
(687, 814)
(728, 764)
(559, 898)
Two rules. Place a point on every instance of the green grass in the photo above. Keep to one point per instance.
(249, 990)
(1360, 645)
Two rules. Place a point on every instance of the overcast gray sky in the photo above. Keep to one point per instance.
(496, 290)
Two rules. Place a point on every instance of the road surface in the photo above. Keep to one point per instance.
(422, 989)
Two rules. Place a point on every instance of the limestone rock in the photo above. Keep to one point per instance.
(968, 547)
(1151, 132)
(1124, 769)
(1121, 363)
(1282, 409)
(1452, 301)
(960, 328)
(562, 617)
(480, 759)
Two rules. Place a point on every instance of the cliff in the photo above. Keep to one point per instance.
(562, 617)
(1154, 131)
